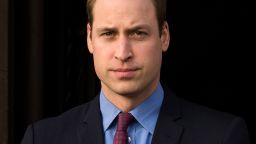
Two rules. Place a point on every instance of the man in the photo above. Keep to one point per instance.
(127, 39)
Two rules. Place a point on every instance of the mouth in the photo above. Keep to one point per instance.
(125, 69)
(125, 73)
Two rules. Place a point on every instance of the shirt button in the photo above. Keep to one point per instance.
(129, 139)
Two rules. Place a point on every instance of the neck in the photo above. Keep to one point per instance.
(128, 102)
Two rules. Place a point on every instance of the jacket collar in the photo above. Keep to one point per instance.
(91, 130)
(167, 131)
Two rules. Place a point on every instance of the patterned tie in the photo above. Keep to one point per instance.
(121, 136)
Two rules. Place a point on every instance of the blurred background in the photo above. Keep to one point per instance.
(46, 69)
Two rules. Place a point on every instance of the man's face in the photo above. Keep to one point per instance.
(126, 46)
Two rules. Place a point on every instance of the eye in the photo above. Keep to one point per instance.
(108, 34)
(140, 35)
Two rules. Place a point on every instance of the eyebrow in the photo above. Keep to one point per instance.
(133, 28)
(138, 27)
(105, 29)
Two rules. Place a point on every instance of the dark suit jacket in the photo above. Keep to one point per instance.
(179, 122)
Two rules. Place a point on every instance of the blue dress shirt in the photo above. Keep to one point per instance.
(139, 132)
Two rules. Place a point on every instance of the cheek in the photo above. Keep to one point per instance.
(100, 65)
(102, 51)
(99, 60)
(101, 57)
(151, 54)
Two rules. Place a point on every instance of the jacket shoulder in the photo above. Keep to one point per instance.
(194, 111)
(208, 123)
(73, 115)
(54, 129)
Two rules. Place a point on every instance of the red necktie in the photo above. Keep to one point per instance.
(121, 136)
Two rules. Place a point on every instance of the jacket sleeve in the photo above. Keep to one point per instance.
(29, 136)
(237, 133)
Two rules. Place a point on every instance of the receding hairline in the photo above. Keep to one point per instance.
(159, 6)
(90, 6)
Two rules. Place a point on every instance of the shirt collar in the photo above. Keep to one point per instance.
(108, 111)
(146, 113)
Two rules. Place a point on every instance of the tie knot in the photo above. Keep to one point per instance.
(124, 119)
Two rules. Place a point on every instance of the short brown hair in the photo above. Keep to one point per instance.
(160, 6)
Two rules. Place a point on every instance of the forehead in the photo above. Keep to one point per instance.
(129, 11)
(113, 3)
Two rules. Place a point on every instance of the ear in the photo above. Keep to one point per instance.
(165, 37)
(89, 38)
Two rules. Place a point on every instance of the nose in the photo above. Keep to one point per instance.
(123, 50)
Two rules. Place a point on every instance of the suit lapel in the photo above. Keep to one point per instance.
(91, 131)
(167, 131)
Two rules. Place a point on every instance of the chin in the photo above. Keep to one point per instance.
(126, 90)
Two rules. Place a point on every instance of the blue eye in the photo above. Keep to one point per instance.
(139, 35)
(108, 34)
